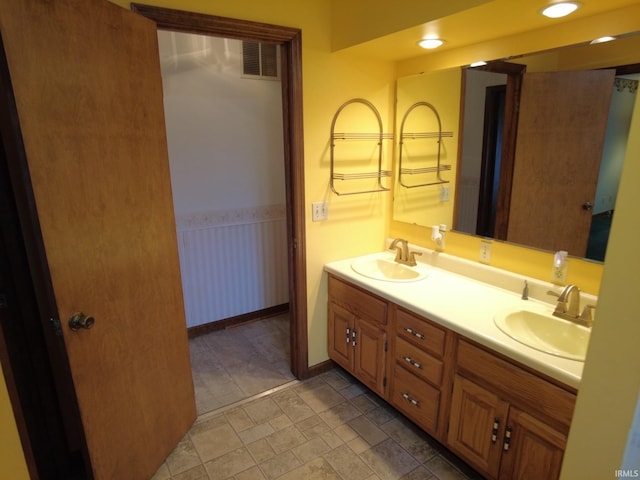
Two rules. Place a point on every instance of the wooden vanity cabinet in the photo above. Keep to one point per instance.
(505, 421)
(358, 333)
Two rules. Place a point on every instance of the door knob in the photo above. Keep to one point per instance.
(588, 206)
(79, 320)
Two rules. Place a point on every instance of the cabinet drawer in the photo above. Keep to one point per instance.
(420, 332)
(418, 362)
(415, 398)
(357, 301)
(519, 385)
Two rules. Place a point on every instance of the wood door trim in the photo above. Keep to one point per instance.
(290, 40)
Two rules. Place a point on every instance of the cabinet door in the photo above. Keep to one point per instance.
(535, 449)
(370, 355)
(476, 425)
(341, 323)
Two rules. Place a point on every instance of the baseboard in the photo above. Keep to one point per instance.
(237, 320)
(319, 368)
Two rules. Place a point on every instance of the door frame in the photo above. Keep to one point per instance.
(514, 73)
(290, 41)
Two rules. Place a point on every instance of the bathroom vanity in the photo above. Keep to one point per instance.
(431, 349)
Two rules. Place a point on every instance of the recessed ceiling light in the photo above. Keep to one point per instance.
(430, 42)
(481, 63)
(602, 40)
(562, 9)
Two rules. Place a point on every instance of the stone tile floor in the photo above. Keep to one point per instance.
(328, 427)
(240, 362)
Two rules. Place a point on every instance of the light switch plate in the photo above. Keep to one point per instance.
(444, 193)
(319, 211)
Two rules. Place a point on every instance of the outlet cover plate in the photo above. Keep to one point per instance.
(485, 251)
(319, 211)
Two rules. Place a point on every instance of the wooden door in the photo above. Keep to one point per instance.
(476, 425)
(87, 86)
(561, 130)
(535, 450)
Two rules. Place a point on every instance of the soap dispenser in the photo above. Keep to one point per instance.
(437, 235)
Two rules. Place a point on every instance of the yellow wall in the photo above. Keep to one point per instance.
(12, 462)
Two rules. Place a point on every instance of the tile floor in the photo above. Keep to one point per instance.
(328, 427)
(240, 362)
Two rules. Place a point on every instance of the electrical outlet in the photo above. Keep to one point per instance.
(444, 193)
(485, 251)
(319, 211)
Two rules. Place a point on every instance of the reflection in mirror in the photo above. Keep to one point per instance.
(418, 193)
(542, 155)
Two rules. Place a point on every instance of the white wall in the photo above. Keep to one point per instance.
(226, 153)
(224, 132)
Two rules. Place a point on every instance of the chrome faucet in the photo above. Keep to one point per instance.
(403, 255)
(568, 306)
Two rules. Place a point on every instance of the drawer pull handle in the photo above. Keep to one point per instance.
(348, 335)
(411, 361)
(411, 331)
(494, 432)
(412, 401)
(507, 439)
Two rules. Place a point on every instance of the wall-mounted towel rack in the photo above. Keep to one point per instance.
(403, 170)
(378, 136)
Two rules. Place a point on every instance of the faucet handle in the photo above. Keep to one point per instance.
(588, 315)
(411, 261)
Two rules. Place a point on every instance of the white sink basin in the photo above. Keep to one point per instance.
(389, 270)
(544, 332)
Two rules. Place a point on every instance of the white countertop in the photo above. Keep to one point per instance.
(467, 307)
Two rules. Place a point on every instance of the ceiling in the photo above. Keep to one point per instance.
(489, 21)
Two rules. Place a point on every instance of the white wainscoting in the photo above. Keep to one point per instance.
(232, 262)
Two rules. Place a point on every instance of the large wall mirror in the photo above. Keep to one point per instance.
(544, 174)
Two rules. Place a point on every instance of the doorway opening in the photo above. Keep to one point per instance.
(223, 116)
(289, 41)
